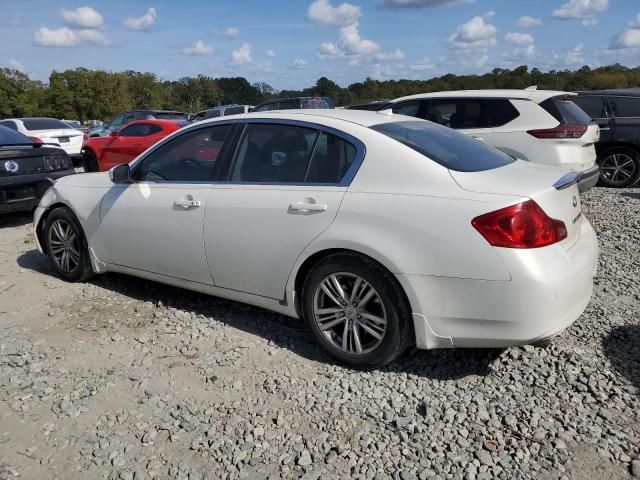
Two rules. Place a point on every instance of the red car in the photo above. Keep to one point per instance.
(122, 146)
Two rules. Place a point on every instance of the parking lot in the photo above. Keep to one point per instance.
(121, 378)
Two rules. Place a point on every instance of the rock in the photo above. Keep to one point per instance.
(635, 469)
(484, 457)
(305, 458)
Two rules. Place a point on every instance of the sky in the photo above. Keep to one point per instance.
(290, 44)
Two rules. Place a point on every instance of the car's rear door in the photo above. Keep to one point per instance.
(283, 189)
(626, 116)
(597, 107)
(467, 115)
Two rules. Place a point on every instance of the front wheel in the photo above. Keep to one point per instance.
(66, 246)
(89, 162)
(619, 167)
(357, 311)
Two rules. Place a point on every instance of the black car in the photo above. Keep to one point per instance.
(617, 112)
(119, 120)
(295, 103)
(27, 169)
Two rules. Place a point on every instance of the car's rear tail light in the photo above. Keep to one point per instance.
(54, 162)
(524, 225)
(85, 137)
(36, 139)
(563, 130)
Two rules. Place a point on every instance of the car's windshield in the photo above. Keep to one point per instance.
(11, 137)
(451, 149)
(44, 124)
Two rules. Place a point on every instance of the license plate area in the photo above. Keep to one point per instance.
(63, 139)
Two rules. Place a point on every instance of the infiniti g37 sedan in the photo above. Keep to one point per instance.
(380, 231)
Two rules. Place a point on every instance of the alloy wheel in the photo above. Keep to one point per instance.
(618, 168)
(64, 245)
(350, 313)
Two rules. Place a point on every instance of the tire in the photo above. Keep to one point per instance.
(619, 167)
(62, 231)
(89, 161)
(381, 298)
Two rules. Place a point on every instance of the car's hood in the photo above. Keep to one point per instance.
(86, 180)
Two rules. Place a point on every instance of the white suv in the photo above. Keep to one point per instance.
(539, 126)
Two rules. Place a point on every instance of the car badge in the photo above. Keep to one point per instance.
(575, 201)
(11, 166)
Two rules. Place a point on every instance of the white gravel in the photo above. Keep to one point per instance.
(126, 379)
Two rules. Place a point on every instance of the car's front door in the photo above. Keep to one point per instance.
(155, 223)
(131, 141)
(283, 189)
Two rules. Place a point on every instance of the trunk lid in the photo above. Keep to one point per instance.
(553, 189)
(62, 137)
(20, 161)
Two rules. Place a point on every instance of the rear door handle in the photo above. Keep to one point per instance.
(304, 207)
(184, 203)
(605, 129)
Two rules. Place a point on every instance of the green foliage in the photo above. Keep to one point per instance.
(84, 94)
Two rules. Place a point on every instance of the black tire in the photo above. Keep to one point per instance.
(89, 161)
(398, 334)
(82, 270)
(612, 174)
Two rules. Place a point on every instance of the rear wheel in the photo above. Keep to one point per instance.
(356, 310)
(66, 246)
(619, 167)
(89, 161)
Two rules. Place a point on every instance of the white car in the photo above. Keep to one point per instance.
(48, 130)
(540, 126)
(379, 230)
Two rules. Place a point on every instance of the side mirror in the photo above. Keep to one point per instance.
(120, 174)
(113, 133)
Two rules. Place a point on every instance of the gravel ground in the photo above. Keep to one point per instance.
(125, 379)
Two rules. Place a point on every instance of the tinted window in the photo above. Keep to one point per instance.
(286, 105)
(273, 154)
(212, 113)
(501, 111)
(625, 106)
(131, 117)
(9, 137)
(9, 124)
(265, 108)
(565, 111)
(450, 149)
(331, 160)
(169, 115)
(44, 124)
(199, 116)
(233, 110)
(592, 106)
(407, 108)
(188, 158)
(458, 113)
(140, 130)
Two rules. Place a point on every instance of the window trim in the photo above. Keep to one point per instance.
(347, 177)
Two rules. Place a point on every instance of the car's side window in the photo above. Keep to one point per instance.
(140, 130)
(410, 108)
(288, 105)
(273, 153)
(129, 118)
(190, 157)
(458, 113)
(265, 108)
(501, 111)
(625, 107)
(331, 160)
(116, 121)
(593, 106)
(10, 124)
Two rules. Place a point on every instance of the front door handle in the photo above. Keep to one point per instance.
(307, 207)
(186, 203)
(478, 138)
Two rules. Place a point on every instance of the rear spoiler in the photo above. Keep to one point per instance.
(567, 180)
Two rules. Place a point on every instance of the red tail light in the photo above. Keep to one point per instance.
(85, 137)
(524, 225)
(36, 139)
(561, 131)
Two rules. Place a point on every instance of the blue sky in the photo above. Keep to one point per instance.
(290, 44)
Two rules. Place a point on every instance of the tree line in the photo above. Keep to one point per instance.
(84, 94)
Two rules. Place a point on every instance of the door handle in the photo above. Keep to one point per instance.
(478, 138)
(605, 129)
(306, 207)
(187, 203)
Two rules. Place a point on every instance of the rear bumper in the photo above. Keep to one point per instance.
(549, 289)
(589, 178)
(22, 193)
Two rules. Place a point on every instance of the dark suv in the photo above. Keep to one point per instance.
(617, 112)
(294, 103)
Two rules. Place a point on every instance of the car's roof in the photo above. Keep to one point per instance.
(365, 118)
(153, 121)
(155, 111)
(534, 95)
(620, 92)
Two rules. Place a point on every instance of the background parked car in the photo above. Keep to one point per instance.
(539, 126)
(77, 125)
(48, 130)
(25, 169)
(372, 105)
(617, 112)
(121, 119)
(294, 104)
(221, 111)
(122, 146)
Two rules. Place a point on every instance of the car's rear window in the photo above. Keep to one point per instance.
(11, 137)
(451, 149)
(566, 111)
(45, 124)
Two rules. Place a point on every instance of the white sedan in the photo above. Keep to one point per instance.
(48, 130)
(379, 230)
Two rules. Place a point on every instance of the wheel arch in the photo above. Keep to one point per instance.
(600, 149)
(39, 228)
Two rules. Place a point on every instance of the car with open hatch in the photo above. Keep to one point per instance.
(380, 231)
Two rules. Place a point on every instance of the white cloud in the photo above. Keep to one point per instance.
(585, 10)
(422, 65)
(65, 37)
(572, 58)
(298, 64)
(379, 71)
(515, 38)
(82, 17)
(142, 23)
(629, 37)
(518, 55)
(349, 44)
(422, 3)
(198, 48)
(322, 12)
(527, 22)
(270, 53)
(635, 23)
(476, 33)
(392, 56)
(16, 65)
(242, 55)
(227, 32)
